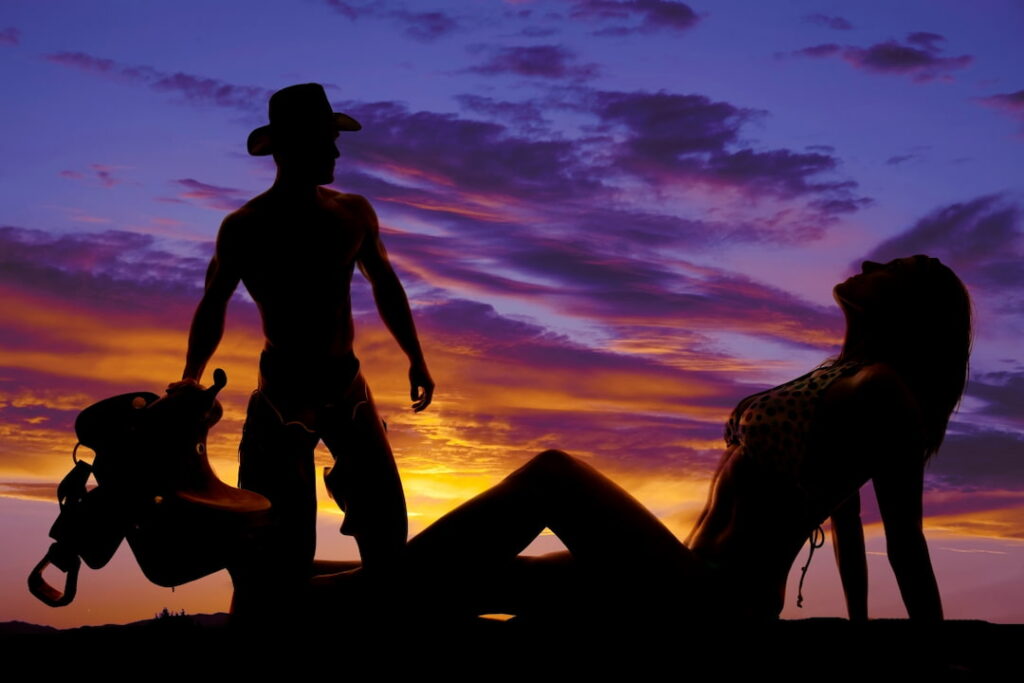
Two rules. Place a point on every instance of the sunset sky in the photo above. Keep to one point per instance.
(614, 219)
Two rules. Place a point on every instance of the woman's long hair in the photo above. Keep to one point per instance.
(922, 328)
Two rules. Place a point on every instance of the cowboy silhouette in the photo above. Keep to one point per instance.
(295, 247)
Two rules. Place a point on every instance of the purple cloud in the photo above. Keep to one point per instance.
(891, 57)
(10, 36)
(593, 280)
(345, 9)
(1011, 103)
(538, 31)
(613, 276)
(422, 26)
(968, 235)
(976, 458)
(537, 61)
(1003, 394)
(927, 41)
(468, 155)
(658, 138)
(528, 115)
(980, 239)
(918, 58)
(193, 89)
(635, 16)
(498, 177)
(689, 137)
(667, 125)
(839, 206)
(899, 159)
(825, 50)
(113, 270)
(837, 23)
(426, 26)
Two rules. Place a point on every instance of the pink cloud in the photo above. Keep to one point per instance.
(98, 174)
(1011, 103)
(10, 36)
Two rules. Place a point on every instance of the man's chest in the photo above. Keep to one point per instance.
(302, 247)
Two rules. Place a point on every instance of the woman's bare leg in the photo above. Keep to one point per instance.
(615, 542)
(468, 561)
(598, 521)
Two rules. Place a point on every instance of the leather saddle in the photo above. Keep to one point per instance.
(155, 487)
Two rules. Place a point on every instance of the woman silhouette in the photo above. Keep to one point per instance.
(795, 456)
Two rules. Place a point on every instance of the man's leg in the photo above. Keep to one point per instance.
(276, 460)
(364, 480)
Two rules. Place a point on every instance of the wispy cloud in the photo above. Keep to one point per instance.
(980, 239)
(625, 17)
(210, 196)
(977, 458)
(690, 137)
(829, 21)
(10, 36)
(422, 26)
(918, 56)
(96, 174)
(538, 61)
(1002, 393)
(193, 89)
(345, 9)
(1011, 103)
(112, 270)
(427, 26)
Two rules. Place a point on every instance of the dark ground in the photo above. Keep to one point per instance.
(809, 649)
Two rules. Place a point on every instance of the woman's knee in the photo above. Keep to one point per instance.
(554, 456)
(553, 462)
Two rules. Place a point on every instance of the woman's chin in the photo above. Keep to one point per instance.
(841, 294)
(838, 292)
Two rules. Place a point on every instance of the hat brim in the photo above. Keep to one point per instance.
(260, 142)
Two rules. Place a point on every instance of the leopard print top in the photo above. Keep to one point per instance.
(775, 426)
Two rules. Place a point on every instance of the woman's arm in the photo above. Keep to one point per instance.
(895, 450)
(848, 541)
(899, 491)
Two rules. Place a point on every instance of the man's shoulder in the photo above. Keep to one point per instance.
(352, 206)
(352, 202)
(251, 212)
(238, 224)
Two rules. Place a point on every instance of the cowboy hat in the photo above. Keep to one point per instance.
(295, 110)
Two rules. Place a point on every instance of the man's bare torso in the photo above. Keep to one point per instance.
(296, 260)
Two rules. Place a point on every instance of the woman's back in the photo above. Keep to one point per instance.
(795, 454)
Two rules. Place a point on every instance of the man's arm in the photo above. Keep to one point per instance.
(848, 541)
(222, 278)
(392, 303)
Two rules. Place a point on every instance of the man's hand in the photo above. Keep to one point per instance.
(187, 382)
(421, 387)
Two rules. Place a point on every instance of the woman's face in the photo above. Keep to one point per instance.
(877, 283)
